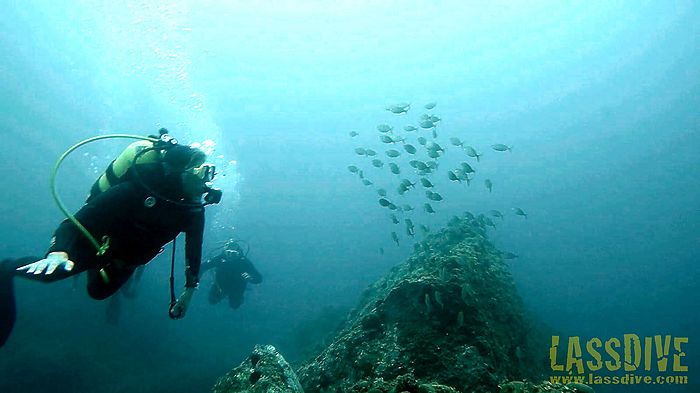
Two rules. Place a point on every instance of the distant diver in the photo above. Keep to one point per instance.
(233, 271)
(152, 192)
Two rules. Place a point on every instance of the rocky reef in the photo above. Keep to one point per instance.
(449, 317)
(446, 320)
(263, 371)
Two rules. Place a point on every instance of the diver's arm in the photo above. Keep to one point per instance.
(210, 264)
(254, 276)
(194, 236)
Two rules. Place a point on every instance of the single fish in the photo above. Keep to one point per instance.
(394, 219)
(426, 124)
(433, 154)
(366, 182)
(501, 147)
(452, 176)
(409, 128)
(384, 128)
(456, 142)
(428, 208)
(467, 168)
(353, 134)
(394, 168)
(407, 183)
(433, 196)
(395, 238)
(434, 133)
(430, 145)
(381, 192)
(424, 228)
(384, 202)
(410, 230)
(401, 189)
(496, 213)
(432, 165)
(370, 153)
(519, 212)
(386, 139)
(353, 169)
(377, 163)
(407, 208)
(489, 222)
(471, 152)
(422, 141)
(488, 184)
(360, 151)
(410, 149)
(399, 108)
(421, 166)
(393, 153)
(430, 105)
(361, 173)
(426, 183)
(434, 119)
(392, 206)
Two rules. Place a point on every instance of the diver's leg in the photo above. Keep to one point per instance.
(8, 312)
(215, 294)
(104, 282)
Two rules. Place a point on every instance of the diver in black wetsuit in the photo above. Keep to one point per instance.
(139, 217)
(233, 272)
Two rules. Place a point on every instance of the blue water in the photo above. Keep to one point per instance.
(598, 99)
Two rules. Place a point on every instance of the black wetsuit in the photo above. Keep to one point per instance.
(137, 233)
(228, 280)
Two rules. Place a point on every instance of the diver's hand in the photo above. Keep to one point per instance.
(178, 310)
(52, 262)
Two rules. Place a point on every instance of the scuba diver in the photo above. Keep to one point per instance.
(150, 194)
(233, 272)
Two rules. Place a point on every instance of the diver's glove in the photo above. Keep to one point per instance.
(178, 310)
(52, 262)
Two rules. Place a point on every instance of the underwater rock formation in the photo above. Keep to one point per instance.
(264, 371)
(448, 319)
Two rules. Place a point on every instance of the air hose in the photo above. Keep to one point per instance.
(101, 248)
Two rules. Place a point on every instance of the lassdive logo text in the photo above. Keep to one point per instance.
(628, 359)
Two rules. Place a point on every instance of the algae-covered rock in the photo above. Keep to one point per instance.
(448, 319)
(264, 371)
(544, 387)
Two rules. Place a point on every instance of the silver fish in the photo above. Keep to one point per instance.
(377, 163)
(410, 230)
(519, 212)
(467, 168)
(384, 202)
(456, 142)
(422, 141)
(381, 192)
(393, 153)
(471, 152)
(430, 105)
(433, 154)
(395, 238)
(428, 208)
(427, 124)
(410, 149)
(353, 134)
(488, 184)
(433, 196)
(394, 219)
(360, 151)
(370, 152)
(501, 147)
(452, 176)
(399, 108)
(409, 128)
(426, 183)
(353, 169)
(366, 182)
(384, 128)
(407, 208)
(496, 213)
(394, 168)
(386, 139)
